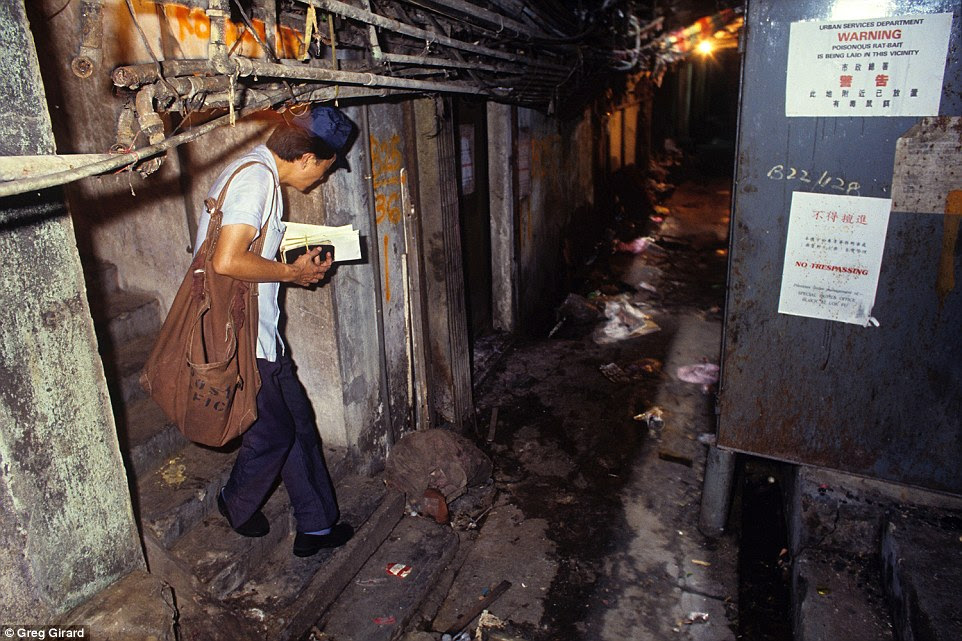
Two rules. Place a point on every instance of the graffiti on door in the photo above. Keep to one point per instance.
(386, 181)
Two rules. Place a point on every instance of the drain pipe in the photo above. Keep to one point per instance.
(133, 76)
(125, 129)
(716, 491)
(218, 11)
(90, 54)
(151, 124)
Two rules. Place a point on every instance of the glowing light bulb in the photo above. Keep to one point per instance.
(705, 47)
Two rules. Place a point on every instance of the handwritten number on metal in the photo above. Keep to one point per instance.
(835, 183)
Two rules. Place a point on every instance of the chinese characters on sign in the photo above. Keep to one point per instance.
(878, 67)
(832, 256)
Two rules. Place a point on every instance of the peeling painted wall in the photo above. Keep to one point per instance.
(66, 526)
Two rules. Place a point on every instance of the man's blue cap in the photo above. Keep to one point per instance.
(329, 124)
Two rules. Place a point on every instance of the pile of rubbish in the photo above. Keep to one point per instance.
(613, 318)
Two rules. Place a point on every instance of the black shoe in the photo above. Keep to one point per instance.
(257, 525)
(311, 544)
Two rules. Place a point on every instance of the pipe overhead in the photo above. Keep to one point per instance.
(495, 20)
(132, 76)
(245, 67)
(120, 161)
(353, 13)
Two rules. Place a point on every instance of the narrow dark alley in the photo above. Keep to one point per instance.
(501, 320)
(598, 464)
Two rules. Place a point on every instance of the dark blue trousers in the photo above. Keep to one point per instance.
(283, 441)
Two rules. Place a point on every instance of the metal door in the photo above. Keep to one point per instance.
(886, 401)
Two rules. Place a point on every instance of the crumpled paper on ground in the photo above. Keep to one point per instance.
(625, 320)
(704, 374)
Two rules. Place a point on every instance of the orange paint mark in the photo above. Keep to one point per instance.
(190, 25)
(386, 176)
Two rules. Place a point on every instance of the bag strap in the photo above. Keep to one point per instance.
(216, 214)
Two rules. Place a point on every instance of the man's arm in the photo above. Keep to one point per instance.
(232, 258)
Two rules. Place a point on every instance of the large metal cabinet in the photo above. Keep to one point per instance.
(886, 401)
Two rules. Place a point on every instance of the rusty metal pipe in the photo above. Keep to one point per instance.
(132, 76)
(218, 11)
(192, 86)
(244, 67)
(151, 124)
(249, 67)
(120, 161)
(425, 61)
(125, 127)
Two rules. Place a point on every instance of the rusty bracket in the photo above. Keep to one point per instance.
(91, 40)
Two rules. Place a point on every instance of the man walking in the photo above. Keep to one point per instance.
(283, 440)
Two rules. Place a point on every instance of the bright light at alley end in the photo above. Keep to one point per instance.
(705, 47)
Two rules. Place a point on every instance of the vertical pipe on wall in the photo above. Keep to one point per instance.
(716, 491)
(218, 11)
(502, 130)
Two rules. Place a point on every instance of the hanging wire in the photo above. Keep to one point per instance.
(266, 45)
(247, 21)
(58, 11)
(143, 37)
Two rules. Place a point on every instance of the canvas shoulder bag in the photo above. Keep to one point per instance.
(202, 371)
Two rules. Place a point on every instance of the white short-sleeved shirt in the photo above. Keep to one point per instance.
(249, 201)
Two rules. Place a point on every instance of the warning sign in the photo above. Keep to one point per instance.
(874, 67)
(833, 255)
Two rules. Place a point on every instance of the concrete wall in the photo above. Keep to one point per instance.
(66, 526)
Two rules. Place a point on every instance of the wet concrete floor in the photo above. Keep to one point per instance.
(595, 517)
